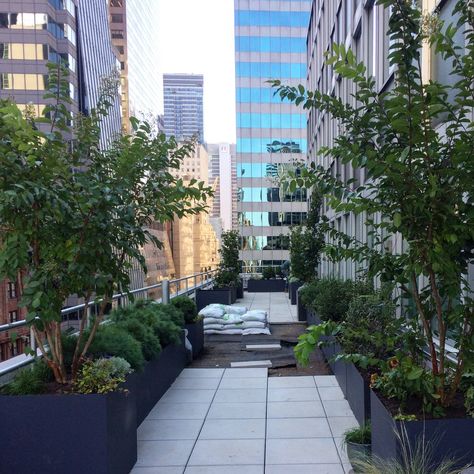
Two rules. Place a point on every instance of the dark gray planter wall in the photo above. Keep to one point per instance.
(293, 290)
(206, 297)
(266, 286)
(301, 308)
(157, 377)
(448, 438)
(196, 336)
(357, 393)
(240, 291)
(74, 434)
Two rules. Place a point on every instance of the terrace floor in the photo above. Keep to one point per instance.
(277, 305)
(233, 421)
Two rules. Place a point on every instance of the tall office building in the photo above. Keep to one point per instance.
(183, 103)
(270, 43)
(223, 176)
(134, 35)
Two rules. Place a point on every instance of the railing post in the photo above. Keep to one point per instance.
(32, 340)
(166, 292)
(187, 286)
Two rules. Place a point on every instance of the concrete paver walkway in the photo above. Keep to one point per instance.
(239, 421)
(277, 306)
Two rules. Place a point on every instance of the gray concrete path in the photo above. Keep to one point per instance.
(239, 421)
(277, 306)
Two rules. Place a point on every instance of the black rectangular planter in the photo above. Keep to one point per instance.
(301, 308)
(293, 290)
(357, 393)
(450, 438)
(240, 291)
(217, 295)
(157, 377)
(74, 434)
(233, 293)
(266, 286)
(196, 336)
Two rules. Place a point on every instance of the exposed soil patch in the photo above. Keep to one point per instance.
(221, 350)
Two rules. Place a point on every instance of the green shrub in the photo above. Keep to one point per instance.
(268, 273)
(30, 380)
(113, 340)
(187, 307)
(359, 435)
(167, 332)
(168, 311)
(145, 335)
(102, 375)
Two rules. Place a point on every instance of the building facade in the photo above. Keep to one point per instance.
(223, 177)
(183, 106)
(270, 43)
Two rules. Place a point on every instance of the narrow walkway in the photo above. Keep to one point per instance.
(277, 305)
(239, 421)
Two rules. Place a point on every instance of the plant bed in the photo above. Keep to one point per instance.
(216, 295)
(73, 433)
(266, 286)
(196, 336)
(447, 438)
(293, 290)
(301, 308)
(157, 377)
(357, 393)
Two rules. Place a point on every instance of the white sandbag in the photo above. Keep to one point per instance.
(212, 311)
(235, 309)
(212, 321)
(254, 317)
(253, 324)
(213, 326)
(225, 331)
(256, 311)
(233, 326)
(231, 319)
(249, 331)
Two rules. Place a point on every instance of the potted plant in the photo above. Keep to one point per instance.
(358, 444)
(87, 250)
(268, 283)
(193, 323)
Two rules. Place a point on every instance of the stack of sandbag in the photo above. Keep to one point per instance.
(222, 319)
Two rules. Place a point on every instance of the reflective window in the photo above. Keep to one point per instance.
(271, 18)
(270, 44)
(23, 81)
(255, 120)
(116, 18)
(28, 21)
(270, 219)
(271, 70)
(259, 194)
(257, 170)
(117, 34)
(254, 242)
(271, 145)
(70, 34)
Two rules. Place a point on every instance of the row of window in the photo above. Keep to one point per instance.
(270, 44)
(20, 81)
(271, 145)
(271, 70)
(271, 18)
(258, 194)
(257, 266)
(37, 21)
(253, 242)
(271, 219)
(64, 5)
(254, 120)
(35, 52)
(262, 170)
(264, 95)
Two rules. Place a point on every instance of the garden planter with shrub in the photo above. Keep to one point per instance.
(357, 393)
(157, 377)
(357, 441)
(196, 336)
(266, 286)
(216, 295)
(293, 290)
(447, 438)
(73, 433)
(240, 290)
(301, 308)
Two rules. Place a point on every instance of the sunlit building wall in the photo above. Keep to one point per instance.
(270, 43)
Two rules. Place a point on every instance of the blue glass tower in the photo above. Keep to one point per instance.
(270, 43)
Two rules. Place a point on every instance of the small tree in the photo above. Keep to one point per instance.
(229, 266)
(421, 176)
(73, 217)
(306, 243)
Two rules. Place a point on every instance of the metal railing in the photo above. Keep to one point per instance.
(161, 292)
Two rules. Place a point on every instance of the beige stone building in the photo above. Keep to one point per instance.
(194, 240)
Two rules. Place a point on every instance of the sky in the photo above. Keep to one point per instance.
(198, 37)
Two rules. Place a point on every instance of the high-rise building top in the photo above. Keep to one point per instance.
(183, 104)
(270, 43)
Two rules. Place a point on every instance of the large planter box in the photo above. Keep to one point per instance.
(74, 434)
(447, 438)
(240, 291)
(233, 294)
(196, 336)
(157, 377)
(293, 290)
(357, 393)
(266, 286)
(301, 308)
(217, 295)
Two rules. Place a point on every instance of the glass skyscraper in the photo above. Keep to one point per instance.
(270, 43)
